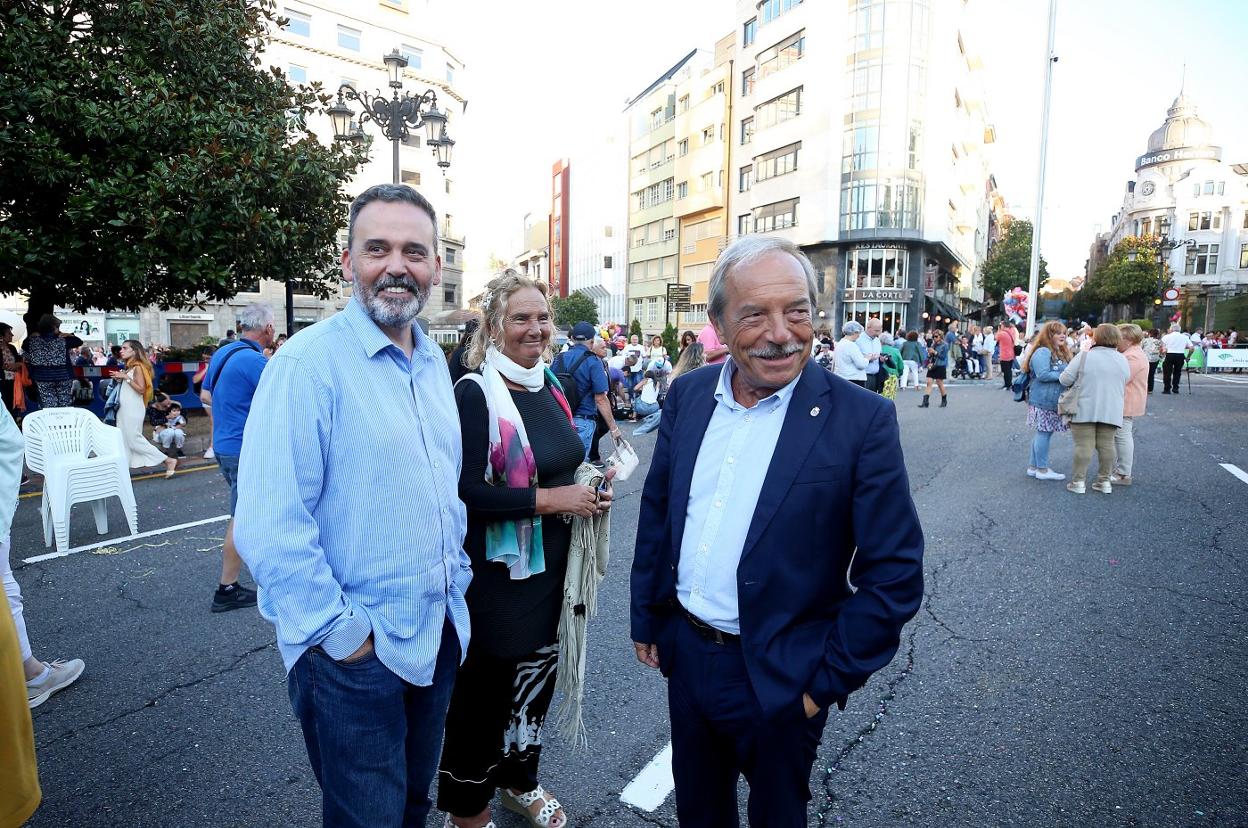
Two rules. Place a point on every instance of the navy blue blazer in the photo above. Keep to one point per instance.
(835, 511)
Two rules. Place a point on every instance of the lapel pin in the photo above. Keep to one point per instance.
(814, 412)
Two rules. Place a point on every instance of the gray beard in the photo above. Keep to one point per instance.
(389, 313)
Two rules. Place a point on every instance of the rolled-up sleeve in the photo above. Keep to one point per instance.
(280, 480)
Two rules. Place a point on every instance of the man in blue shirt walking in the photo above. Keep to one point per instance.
(591, 384)
(229, 385)
(350, 519)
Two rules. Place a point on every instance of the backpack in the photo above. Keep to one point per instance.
(567, 379)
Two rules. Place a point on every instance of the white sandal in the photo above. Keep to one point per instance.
(520, 804)
(449, 824)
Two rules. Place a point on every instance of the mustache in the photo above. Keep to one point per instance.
(774, 351)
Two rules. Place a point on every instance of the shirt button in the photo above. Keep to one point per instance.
(719, 504)
(731, 460)
(747, 418)
(703, 547)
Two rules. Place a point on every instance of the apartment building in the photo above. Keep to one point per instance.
(861, 133)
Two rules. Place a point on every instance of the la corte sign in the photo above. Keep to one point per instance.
(1178, 154)
(878, 294)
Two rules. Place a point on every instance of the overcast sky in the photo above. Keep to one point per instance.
(543, 79)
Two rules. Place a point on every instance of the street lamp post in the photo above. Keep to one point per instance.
(1164, 246)
(396, 116)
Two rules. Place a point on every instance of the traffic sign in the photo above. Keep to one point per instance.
(1170, 294)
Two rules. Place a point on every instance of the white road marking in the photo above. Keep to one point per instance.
(648, 790)
(124, 539)
(1235, 470)
(1230, 380)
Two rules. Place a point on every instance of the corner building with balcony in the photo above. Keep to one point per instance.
(1185, 192)
(860, 132)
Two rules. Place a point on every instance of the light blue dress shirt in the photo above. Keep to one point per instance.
(870, 346)
(348, 507)
(727, 480)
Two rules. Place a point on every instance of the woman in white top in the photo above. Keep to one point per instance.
(136, 390)
(1099, 376)
(656, 351)
(982, 345)
(850, 361)
(646, 395)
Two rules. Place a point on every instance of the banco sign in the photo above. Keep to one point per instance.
(1179, 154)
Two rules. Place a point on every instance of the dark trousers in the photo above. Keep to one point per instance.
(1152, 372)
(719, 733)
(1172, 372)
(875, 382)
(600, 431)
(373, 739)
(494, 728)
(1007, 372)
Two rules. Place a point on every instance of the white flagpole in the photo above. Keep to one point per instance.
(1033, 289)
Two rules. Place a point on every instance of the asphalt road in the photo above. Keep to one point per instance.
(1079, 660)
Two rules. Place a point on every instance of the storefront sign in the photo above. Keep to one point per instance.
(1170, 156)
(878, 295)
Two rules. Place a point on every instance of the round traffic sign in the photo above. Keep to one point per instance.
(1171, 294)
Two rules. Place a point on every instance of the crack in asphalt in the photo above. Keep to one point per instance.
(155, 700)
(862, 734)
(121, 593)
(1230, 604)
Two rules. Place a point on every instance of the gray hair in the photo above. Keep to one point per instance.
(391, 193)
(886, 339)
(255, 317)
(851, 327)
(746, 250)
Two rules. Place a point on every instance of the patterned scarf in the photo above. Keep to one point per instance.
(517, 544)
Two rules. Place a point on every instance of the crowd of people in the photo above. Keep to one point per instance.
(429, 559)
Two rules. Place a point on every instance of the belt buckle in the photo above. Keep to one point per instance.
(719, 635)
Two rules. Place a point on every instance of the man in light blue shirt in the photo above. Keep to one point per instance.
(869, 344)
(350, 521)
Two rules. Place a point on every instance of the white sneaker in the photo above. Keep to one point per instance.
(1049, 474)
(1076, 486)
(60, 675)
(208, 455)
(1031, 471)
(1103, 486)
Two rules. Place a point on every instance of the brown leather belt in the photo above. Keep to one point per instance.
(706, 630)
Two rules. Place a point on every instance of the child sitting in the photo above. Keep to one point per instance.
(171, 434)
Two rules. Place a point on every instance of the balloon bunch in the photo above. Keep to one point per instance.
(1015, 304)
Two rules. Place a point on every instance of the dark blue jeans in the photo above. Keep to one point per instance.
(373, 739)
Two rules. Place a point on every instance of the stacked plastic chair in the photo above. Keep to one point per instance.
(82, 461)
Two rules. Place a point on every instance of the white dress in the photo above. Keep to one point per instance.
(130, 420)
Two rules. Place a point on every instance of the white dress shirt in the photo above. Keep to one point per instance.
(727, 480)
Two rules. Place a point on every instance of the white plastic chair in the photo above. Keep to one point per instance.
(81, 460)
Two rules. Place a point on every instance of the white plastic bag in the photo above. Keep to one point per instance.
(624, 461)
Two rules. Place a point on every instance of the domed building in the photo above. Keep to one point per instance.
(1183, 191)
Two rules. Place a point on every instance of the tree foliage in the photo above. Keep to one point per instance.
(577, 307)
(1009, 266)
(635, 328)
(671, 341)
(1121, 281)
(146, 157)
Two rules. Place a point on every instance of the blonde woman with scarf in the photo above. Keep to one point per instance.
(136, 391)
(521, 455)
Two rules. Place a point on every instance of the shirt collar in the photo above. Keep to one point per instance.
(723, 392)
(374, 339)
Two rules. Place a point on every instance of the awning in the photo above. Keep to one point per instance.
(936, 307)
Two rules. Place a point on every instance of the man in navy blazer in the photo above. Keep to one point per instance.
(789, 554)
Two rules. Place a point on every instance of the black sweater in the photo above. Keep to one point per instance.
(510, 618)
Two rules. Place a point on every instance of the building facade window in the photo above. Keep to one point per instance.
(887, 202)
(876, 268)
(866, 79)
(749, 31)
(776, 216)
(683, 104)
(745, 224)
(860, 150)
(769, 10)
(607, 262)
(1204, 221)
(782, 55)
(747, 130)
(1202, 260)
(743, 178)
(684, 147)
(682, 190)
(415, 56)
(1146, 227)
(298, 23)
(349, 38)
(708, 135)
(653, 195)
(867, 27)
(1243, 257)
(777, 162)
(747, 81)
(695, 314)
(448, 295)
(297, 74)
(779, 109)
